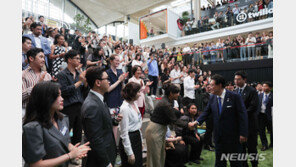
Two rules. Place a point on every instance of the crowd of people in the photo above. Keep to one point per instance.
(96, 85)
(227, 18)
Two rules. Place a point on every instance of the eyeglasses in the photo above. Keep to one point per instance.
(103, 79)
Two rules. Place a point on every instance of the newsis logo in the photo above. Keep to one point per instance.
(241, 17)
(242, 157)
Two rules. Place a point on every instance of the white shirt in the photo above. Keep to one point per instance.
(175, 74)
(50, 40)
(252, 41)
(98, 95)
(243, 88)
(222, 97)
(263, 106)
(37, 41)
(189, 87)
(136, 62)
(131, 121)
(186, 50)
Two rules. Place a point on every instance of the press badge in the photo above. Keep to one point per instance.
(64, 130)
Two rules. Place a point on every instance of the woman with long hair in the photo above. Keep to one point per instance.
(96, 58)
(130, 144)
(46, 139)
(58, 51)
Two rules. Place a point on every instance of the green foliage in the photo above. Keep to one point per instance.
(209, 157)
(81, 23)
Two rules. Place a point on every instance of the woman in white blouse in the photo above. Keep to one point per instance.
(130, 144)
(137, 72)
(137, 61)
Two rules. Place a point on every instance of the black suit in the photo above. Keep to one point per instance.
(228, 126)
(251, 101)
(97, 125)
(265, 119)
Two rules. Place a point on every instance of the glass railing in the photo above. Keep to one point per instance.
(215, 55)
(224, 20)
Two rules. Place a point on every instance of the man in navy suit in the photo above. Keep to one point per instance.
(38, 41)
(230, 122)
(265, 115)
(250, 98)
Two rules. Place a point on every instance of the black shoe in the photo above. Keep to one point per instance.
(209, 148)
(196, 161)
(264, 148)
(200, 159)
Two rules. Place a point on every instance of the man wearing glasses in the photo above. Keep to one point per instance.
(72, 84)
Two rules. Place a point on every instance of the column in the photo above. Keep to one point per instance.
(196, 9)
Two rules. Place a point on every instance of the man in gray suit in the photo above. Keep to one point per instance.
(97, 122)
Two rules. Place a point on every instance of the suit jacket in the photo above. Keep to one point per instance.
(231, 123)
(251, 101)
(269, 105)
(45, 45)
(97, 125)
(42, 143)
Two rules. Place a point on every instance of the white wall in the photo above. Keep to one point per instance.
(172, 24)
(133, 32)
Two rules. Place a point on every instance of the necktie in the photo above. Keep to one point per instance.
(265, 99)
(240, 91)
(220, 105)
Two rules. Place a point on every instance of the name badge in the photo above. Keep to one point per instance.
(64, 130)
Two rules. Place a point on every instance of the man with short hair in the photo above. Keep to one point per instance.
(44, 26)
(26, 46)
(235, 11)
(33, 74)
(230, 121)
(153, 73)
(251, 101)
(189, 88)
(259, 88)
(265, 115)
(97, 121)
(72, 85)
(251, 40)
(38, 41)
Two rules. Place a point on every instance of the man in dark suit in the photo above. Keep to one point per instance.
(265, 115)
(97, 122)
(251, 101)
(230, 122)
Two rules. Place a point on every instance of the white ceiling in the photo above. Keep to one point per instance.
(103, 12)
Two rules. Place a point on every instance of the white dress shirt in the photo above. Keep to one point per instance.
(189, 87)
(175, 74)
(131, 121)
(38, 42)
(263, 106)
(98, 95)
(222, 97)
(243, 88)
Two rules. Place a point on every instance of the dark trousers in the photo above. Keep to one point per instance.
(209, 132)
(176, 157)
(182, 89)
(196, 147)
(153, 86)
(136, 143)
(263, 124)
(74, 113)
(227, 148)
(187, 59)
(251, 146)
